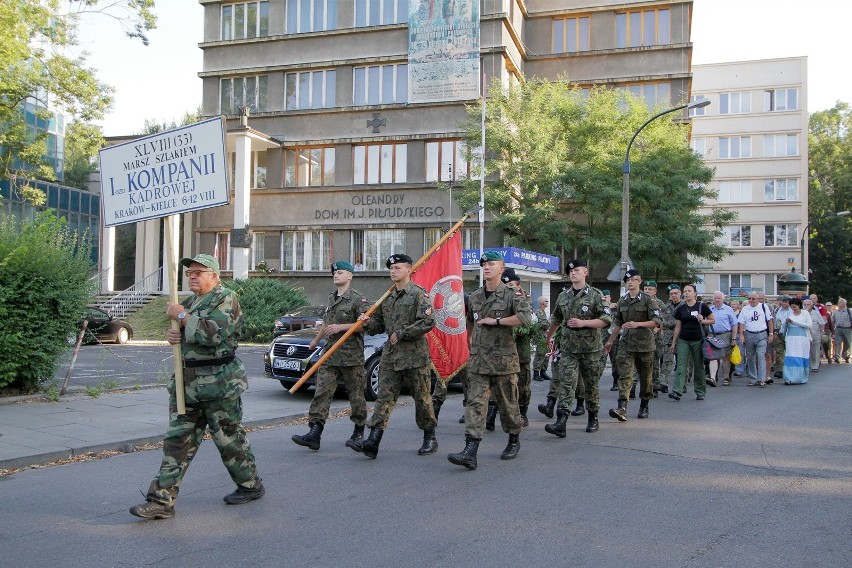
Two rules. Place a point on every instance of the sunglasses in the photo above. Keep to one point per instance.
(191, 273)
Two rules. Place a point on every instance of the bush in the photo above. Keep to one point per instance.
(45, 284)
(262, 301)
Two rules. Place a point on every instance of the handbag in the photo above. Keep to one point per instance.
(713, 348)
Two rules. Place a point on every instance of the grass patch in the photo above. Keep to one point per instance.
(150, 323)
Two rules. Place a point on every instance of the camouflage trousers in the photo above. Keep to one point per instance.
(555, 381)
(390, 383)
(580, 375)
(505, 389)
(185, 433)
(667, 365)
(540, 361)
(780, 349)
(328, 378)
(640, 362)
(525, 384)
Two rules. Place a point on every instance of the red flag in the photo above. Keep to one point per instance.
(441, 277)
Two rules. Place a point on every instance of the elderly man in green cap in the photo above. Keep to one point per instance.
(345, 304)
(660, 346)
(210, 322)
(667, 364)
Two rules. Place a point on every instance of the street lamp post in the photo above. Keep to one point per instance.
(625, 261)
(802, 243)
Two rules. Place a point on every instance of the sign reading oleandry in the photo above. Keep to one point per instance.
(167, 173)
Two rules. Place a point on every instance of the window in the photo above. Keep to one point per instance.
(380, 84)
(469, 237)
(375, 246)
(771, 281)
(780, 145)
(734, 103)
(380, 12)
(728, 281)
(258, 246)
(699, 146)
(780, 99)
(781, 236)
(735, 147)
(306, 250)
(736, 236)
(309, 166)
(238, 92)
(654, 94)
(258, 169)
(311, 16)
(649, 27)
(700, 110)
(735, 191)
(449, 160)
(222, 250)
(781, 190)
(379, 163)
(570, 35)
(245, 20)
(310, 89)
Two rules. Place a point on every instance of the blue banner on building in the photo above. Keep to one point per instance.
(515, 258)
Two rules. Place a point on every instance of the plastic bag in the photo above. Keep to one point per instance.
(736, 356)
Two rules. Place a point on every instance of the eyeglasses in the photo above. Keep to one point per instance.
(191, 273)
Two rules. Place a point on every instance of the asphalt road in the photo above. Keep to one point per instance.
(749, 477)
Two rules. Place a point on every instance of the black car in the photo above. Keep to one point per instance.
(104, 327)
(307, 316)
(289, 357)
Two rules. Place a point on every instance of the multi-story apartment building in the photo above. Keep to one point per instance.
(342, 163)
(755, 134)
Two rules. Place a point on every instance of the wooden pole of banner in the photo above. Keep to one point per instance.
(171, 263)
(378, 303)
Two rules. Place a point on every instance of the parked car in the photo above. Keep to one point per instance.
(104, 327)
(307, 316)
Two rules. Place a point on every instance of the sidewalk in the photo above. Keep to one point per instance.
(33, 432)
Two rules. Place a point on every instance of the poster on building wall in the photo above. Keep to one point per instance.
(443, 50)
(167, 173)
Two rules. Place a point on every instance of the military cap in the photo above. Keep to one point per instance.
(576, 263)
(606, 293)
(630, 274)
(652, 283)
(673, 287)
(203, 259)
(490, 255)
(397, 258)
(509, 276)
(341, 265)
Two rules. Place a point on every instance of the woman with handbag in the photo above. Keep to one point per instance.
(686, 342)
(797, 338)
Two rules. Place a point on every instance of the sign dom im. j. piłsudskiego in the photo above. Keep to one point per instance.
(164, 174)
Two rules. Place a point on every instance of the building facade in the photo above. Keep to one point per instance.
(755, 134)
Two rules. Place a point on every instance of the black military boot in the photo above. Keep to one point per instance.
(537, 376)
(643, 409)
(436, 407)
(461, 420)
(370, 446)
(633, 391)
(357, 435)
(620, 413)
(524, 420)
(430, 444)
(544, 376)
(579, 411)
(547, 409)
(491, 416)
(558, 428)
(312, 438)
(614, 386)
(592, 426)
(512, 448)
(467, 457)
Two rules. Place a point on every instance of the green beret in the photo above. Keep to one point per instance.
(651, 283)
(606, 293)
(490, 255)
(673, 287)
(341, 265)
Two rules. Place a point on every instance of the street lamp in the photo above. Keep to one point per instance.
(802, 243)
(625, 261)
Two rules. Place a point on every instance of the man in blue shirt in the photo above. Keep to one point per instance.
(723, 327)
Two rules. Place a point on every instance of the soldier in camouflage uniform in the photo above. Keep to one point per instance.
(660, 347)
(523, 335)
(580, 313)
(638, 316)
(210, 323)
(406, 316)
(494, 310)
(555, 380)
(667, 366)
(540, 361)
(347, 362)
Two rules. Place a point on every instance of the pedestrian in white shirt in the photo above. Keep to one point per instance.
(755, 330)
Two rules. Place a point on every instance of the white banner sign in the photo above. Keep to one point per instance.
(167, 173)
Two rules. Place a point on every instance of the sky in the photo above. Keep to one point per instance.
(160, 82)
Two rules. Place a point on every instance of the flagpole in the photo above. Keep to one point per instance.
(358, 323)
(482, 179)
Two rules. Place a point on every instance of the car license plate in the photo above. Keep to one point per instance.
(288, 364)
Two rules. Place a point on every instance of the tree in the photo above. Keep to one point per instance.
(82, 142)
(559, 157)
(151, 126)
(36, 73)
(830, 192)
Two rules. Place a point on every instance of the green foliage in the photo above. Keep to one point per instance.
(82, 142)
(830, 192)
(151, 126)
(151, 322)
(262, 301)
(554, 164)
(44, 287)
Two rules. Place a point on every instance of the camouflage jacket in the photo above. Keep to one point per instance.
(586, 304)
(212, 329)
(345, 309)
(543, 323)
(492, 348)
(658, 336)
(408, 313)
(641, 308)
(669, 319)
